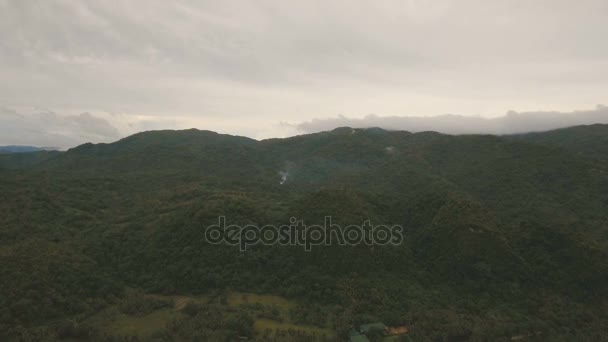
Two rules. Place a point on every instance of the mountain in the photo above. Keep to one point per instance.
(25, 160)
(24, 149)
(588, 141)
(19, 157)
(505, 236)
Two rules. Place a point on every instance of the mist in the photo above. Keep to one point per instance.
(512, 122)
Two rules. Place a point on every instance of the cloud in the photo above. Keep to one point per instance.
(242, 67)
(42, 127)
(512, 122)
(47, 128)
(93, 125)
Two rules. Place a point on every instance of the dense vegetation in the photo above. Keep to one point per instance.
(506, 236)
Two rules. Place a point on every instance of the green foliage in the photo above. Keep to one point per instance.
(137, 303)
(506, 236)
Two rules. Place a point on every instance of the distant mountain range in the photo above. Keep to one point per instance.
(24, 149)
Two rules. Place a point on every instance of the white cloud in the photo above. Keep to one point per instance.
(47, 128)
(512, 122)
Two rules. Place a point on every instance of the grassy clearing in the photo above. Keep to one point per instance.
(115, 323)
(142, 326)
(261, 326)
(283, 305)
(238, 298)
(179, 302)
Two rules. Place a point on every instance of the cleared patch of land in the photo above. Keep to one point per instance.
(287, 331)
(238, 298)
(279, 325)
(142, 326)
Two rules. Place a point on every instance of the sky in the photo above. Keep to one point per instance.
(74, 71)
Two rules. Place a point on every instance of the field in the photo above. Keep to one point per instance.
(262, 326)
(112, 322)
(142, 326)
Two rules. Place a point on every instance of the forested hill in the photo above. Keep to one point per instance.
(505, 235)
(589, 141)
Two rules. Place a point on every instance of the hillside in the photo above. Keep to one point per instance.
(588, 141)
(504, 236)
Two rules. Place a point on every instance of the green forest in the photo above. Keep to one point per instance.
(506, 237)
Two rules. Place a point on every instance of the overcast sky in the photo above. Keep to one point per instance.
(78, 71)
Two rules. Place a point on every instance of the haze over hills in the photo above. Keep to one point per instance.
(511, 123)
(55, 128)
(505, 235)
(24, 149)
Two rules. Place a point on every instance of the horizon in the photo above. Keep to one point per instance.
(54, 148)
(510, 124)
